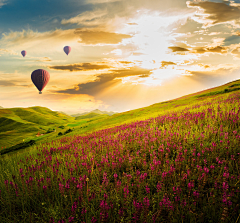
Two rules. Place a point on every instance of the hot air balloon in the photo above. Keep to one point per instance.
(40, 79)
(24, 52)
(67, 49)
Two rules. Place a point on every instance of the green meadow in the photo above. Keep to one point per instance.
(174, 161)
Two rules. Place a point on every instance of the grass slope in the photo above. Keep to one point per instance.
(18, 123)
(95, 123)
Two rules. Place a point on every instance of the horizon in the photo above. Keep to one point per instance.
(124, 55)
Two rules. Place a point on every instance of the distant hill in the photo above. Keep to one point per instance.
(96, 111)
(1, 107)
(19, 123)
(91, 115)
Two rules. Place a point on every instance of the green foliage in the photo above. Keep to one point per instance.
(60, 133)
(17, 147)
(218, 92)
(234, 85)
(69, 130)
(61, 127)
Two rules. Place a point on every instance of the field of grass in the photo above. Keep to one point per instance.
(17, 124)
(175, 161)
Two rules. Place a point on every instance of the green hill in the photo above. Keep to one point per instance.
(17, 124)
(43, 118)
(96, 111)
(90, 115)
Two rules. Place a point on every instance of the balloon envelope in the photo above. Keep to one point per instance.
(40, 79)
(67, 49)
(24, 52)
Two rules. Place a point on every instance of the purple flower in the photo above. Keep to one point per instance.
(196, 194)
(71, 219)
(225, 186)
(94, 220)
(146, 202)
(147, 189)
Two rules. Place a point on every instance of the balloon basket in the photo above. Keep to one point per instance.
(40, 92)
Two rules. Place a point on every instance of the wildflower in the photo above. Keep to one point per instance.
(70, 219)
(147, 189)
(225, 185)
(190, 185)
(146, 202)
(196, 194)
(94, 220)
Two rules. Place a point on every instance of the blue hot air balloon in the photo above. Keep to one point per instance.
(24, 52)
(40, 79)
(67, 49)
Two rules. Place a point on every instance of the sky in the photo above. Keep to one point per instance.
(125, 54)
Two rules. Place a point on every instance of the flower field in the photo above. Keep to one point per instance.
(182, 166)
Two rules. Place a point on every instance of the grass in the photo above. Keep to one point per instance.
(17, 124)
(77, 124)
(169, 162)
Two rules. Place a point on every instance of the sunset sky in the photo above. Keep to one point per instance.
(126, 54)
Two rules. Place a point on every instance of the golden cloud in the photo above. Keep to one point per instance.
(217, 12)
(236, 52)
(217, 49)
(45, 59)
(167, 63)
(28, 38)
(106, 80)
(80, 67)
(177, 49)
(90, 37)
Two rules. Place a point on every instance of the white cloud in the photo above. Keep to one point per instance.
(87, 18)
(41, 41)
(2, 2)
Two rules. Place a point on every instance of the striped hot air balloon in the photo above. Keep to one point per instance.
(40, 79)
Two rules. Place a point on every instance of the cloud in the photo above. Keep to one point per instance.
(29, 38)
(45, 59)
(2, 2)
(236, 52)
(217, 49)
(90, 37)
(177, 49)
(216, 12)
(80, 67)
(234, 39)
(203, 65)
(211, 77)
(104, 81)
(12, 83)
(8, 51)
(167, 63)
(126, 62)
(89, 18)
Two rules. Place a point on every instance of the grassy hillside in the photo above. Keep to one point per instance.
(90, 115)
(84, 126)
(175, 161)
(96, 111)
(17, 124)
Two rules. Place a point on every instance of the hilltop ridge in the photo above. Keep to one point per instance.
(96, 111)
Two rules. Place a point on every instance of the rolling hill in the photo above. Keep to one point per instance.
(93, 121)
(17, 124)
(96, 111)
